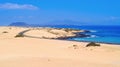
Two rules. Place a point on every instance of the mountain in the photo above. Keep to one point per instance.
(23, 24)
(63, 24)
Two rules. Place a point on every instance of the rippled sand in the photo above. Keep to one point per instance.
(34, 52)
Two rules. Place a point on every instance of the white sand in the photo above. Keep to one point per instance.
(33, 52)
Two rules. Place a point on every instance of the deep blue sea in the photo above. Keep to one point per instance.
(105, 34)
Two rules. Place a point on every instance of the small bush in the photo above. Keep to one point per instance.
(4, 32)
(75, 46)
(19, 35)
(92, 44)
(10, 28)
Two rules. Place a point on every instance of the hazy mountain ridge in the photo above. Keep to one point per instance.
(18, 24)
(23, 24)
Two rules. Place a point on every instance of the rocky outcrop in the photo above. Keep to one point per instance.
(92, 44)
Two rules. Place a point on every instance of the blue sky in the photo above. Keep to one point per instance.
(89, 12)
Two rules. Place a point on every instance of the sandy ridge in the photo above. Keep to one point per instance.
(33, 52)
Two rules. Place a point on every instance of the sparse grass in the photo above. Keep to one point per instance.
(74, 45)
(68, 29)
(49, 30)
(54, 33)
(92, 44)
(44, 37)
(10, 28)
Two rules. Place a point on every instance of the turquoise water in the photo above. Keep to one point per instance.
(115, 40)
(105, 34)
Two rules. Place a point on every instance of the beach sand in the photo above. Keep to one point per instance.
(35, 52)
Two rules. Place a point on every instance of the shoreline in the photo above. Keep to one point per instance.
(71, 40)
(97, 42)
(59, 38)
(34, 52)
(67, 39)
(77, 34)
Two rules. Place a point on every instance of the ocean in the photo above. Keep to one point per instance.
(102, 34)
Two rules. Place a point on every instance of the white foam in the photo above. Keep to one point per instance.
(93, 36)
(93, 31)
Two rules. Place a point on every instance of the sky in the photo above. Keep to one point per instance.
(77, 12)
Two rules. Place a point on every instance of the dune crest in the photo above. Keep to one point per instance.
(40, 52)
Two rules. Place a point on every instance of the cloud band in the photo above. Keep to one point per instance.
(17, 6)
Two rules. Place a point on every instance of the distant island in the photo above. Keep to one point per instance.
(24, 24)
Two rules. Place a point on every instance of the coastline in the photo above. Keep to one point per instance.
(34, 52)
(77, 34)
(26, 29)
(96, 42)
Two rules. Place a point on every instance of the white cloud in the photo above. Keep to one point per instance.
(17, 6)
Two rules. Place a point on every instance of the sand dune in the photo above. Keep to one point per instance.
(52, 33)
(33, 52)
